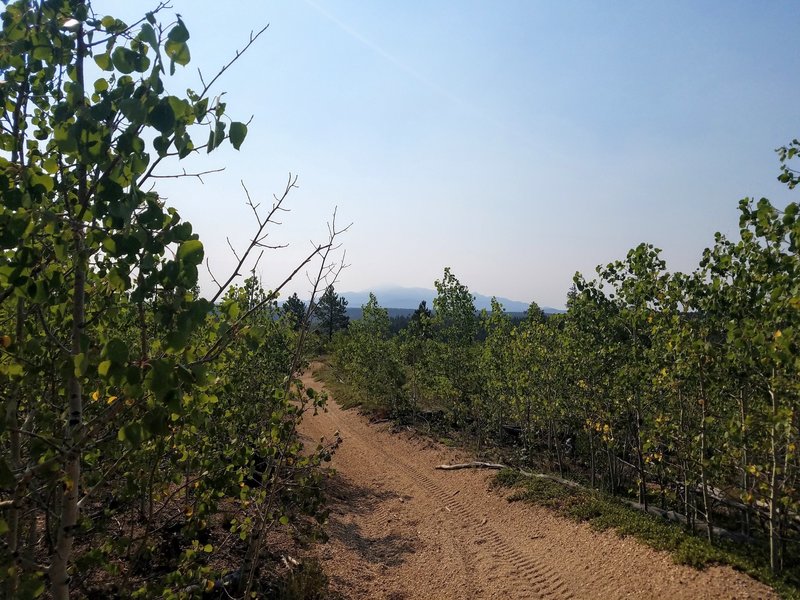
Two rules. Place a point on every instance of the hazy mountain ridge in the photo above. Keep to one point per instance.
(401, 299)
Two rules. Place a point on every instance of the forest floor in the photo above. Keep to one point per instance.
(400, 530)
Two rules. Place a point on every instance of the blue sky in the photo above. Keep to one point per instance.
(516, 142)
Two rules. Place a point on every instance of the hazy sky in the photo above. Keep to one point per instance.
(516, 142)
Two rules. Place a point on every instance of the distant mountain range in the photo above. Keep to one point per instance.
(401, 301)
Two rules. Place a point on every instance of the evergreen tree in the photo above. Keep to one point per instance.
(332, 312)
(296, 309)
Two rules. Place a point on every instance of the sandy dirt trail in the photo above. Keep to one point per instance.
(400, 530)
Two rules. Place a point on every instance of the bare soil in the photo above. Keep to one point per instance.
(400, 530)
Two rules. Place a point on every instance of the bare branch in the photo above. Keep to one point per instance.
(185, 174)
(208, 268)
(259, 235)
(227, 239)
(253, 38)
(213, 352)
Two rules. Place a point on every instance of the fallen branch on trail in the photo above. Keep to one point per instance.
(471, 465)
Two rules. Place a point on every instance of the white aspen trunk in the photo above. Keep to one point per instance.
(59, 562)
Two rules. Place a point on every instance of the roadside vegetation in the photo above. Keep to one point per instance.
(679, 392)
(605, 512)
(148, 443)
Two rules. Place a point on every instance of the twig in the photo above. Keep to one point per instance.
(259, 235)
(199, 175)
(253, 38)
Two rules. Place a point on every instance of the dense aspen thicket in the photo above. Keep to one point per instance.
(681, 390)
(148, 433)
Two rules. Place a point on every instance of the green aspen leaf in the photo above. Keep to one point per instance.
(182, 109)
(219, 133)
(162, 117)
(110, 246)
(161, 144)
(208, 548)
(237, 134)
(103, 368)
(178, 52)
(44, 181)
(191, 252)
(179, 33)
(233, 310)
(284, 520)
(43, 53)
(200, 109)
(131, 433)
(12, 370)
(133, 110)
(148, 34)
(116, 351)
(176, 339)
(50, 165)
(113, 25)
(124, 60)
(81, 364)
(210, 144)
(101, 85)
(184, 145)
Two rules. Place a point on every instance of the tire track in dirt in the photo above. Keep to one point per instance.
(521, 574)
(400, 530)
(385, 471)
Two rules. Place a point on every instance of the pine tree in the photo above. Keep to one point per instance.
(296, 308)
(332, 312)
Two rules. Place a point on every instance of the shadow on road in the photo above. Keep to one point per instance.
(349, 502)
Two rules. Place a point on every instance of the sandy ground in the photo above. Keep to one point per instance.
(400, 530)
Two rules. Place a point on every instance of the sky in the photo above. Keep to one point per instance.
(516, 142)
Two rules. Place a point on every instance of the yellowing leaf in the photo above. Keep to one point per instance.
(5, 341)
(111, 400)
(95, 395)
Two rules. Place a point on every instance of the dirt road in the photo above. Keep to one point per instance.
(401, 530)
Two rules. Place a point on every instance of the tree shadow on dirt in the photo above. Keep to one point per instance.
(347, 498)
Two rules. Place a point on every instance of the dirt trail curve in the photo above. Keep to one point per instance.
(400, 530)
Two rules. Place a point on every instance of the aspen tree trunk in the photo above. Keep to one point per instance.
(745, 460)
(591, 458)
(12, 404)
(774, 513)
(59, 564)
(703, 474)
(640, 460)
(12, 424)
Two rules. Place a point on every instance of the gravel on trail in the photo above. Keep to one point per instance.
(400, 530)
